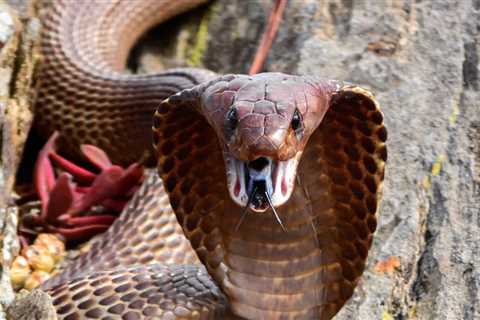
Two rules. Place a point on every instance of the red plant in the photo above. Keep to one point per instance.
(78, 203)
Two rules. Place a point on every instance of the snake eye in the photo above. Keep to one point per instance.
(230, 124)
(297, 124)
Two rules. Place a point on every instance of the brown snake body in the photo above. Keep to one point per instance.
(314, 148)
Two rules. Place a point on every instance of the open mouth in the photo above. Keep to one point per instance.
(262, 183)
(259, 186)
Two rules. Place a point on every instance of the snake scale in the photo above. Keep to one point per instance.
(305, 156)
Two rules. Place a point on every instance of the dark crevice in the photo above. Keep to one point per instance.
(470, 70)
(162, 40)
(427, 271)
(470, 46)
(428, 281)
(236, 33)
(476, 4)
(341, 15)
(17, 66)
(472, 292)
(474, 134)
(33, 144)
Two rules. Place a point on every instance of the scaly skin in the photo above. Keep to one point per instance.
(311, 270)
(81, 90)
(308, 272)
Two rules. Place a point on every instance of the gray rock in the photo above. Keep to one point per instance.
(17, 60)
(421, 59)
(10, 247)
(33, 305)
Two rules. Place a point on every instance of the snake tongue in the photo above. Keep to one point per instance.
(259, 200)
(258, 175)
(276, 177)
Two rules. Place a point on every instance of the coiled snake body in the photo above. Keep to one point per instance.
(312, 149)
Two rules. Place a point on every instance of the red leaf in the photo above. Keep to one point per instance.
(104, 186)
(44, 176)
(80, 174)
(96, 156)
(83, 189)
(114, 204)
(61, 198)
(132, 191)
(105, 219)
(81, 233)
(132, 177)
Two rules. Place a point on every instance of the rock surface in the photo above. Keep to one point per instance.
(421, 58)
(17, 60)
(35, 305)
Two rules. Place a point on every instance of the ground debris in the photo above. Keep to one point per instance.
(35, 305)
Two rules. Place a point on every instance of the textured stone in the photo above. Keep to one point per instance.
(421, 59)
(16, 69)
(34, 305)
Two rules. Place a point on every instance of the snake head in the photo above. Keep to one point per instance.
(263, 123)
(324, 138)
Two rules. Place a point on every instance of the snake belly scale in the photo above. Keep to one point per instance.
(228, 147)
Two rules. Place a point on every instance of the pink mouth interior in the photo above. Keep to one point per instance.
(275, 176)
(284, 187)
(236, 190)
(283, 183)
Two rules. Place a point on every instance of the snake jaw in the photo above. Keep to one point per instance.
(276, 179)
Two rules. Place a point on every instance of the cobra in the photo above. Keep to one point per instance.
(269, 184)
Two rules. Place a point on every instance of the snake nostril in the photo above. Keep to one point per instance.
(258, 164)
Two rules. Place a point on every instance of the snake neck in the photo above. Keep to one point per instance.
(269, 273)
(310, 271)
(83, 91)
(306, 272)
